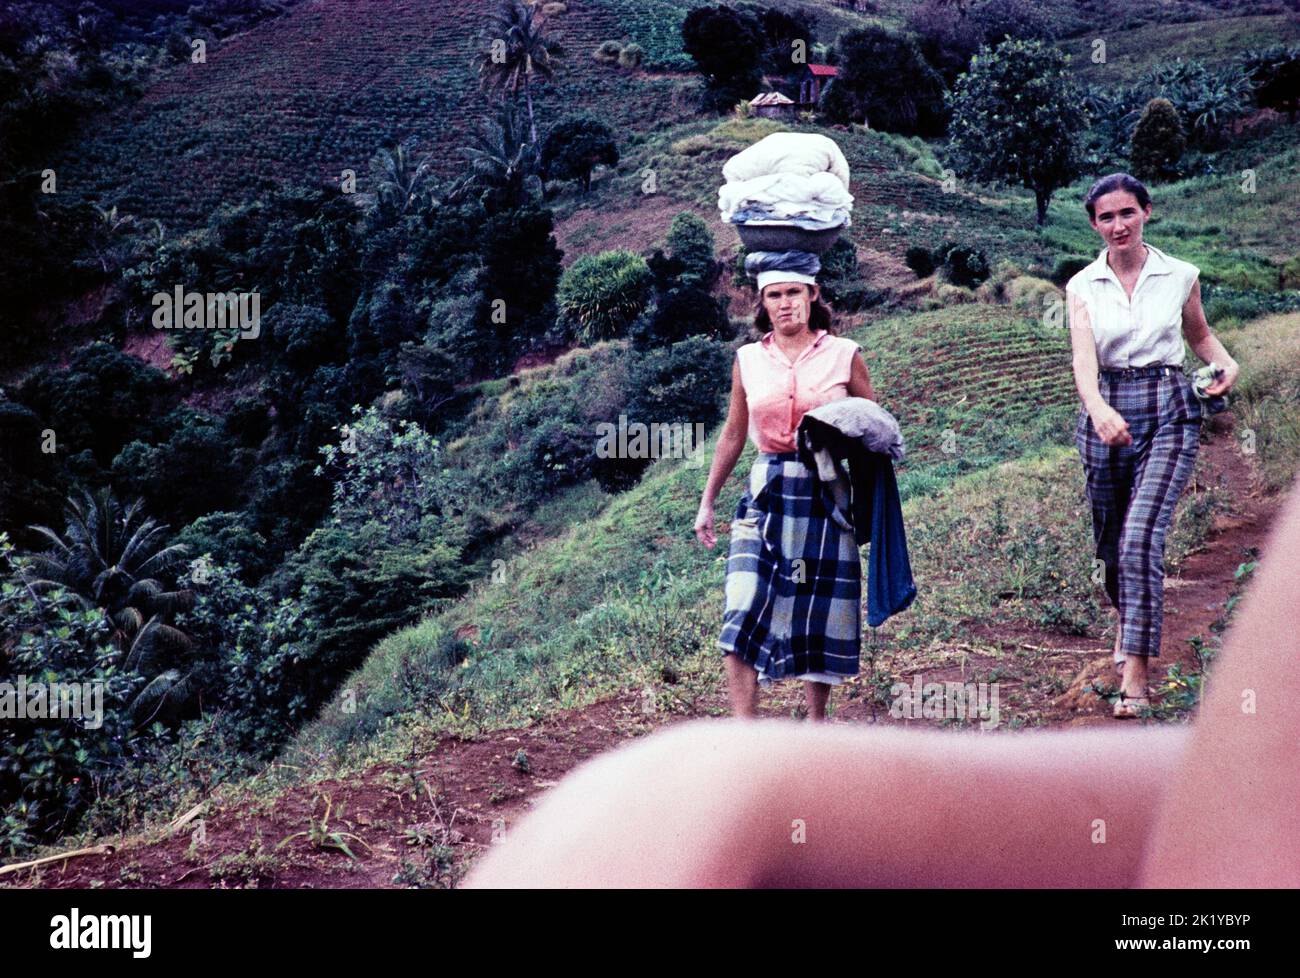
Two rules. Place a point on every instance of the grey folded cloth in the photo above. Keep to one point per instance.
(1202, 379)
(786, 261)
(860, 417)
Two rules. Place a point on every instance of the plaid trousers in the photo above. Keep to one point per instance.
(794, 578)
(1134, 489)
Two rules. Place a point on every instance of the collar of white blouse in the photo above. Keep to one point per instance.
(1155, 264)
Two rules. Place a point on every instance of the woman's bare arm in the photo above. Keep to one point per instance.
(1196, 330)
(1109, 423)
(730, 445)
(732, 440)
(860, 379)
(1084, 350)
(779, 803)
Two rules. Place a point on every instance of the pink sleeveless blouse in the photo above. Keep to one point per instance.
(778, 393)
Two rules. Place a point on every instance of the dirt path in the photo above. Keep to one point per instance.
(426, 824)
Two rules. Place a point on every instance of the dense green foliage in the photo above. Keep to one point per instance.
(574, 145)
(1016, 120)
(871, 61)
(50, 769)
(599, 296)
(726, 47)
(1158, 142)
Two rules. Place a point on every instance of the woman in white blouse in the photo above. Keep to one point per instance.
(1139, 426)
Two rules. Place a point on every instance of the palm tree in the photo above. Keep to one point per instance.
(501, 159)
(110, 237)
(400, 178)
(107, 558)
(517, 50)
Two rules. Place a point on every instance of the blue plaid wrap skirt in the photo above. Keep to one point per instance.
(794, 577)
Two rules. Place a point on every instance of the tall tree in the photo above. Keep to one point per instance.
(501, 161)
(575, 145)
(1016, 120)
(516, 51)
(727, 47)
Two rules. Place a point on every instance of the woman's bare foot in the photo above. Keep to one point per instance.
(1133, 687)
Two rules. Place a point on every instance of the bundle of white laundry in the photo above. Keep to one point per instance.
(798, 179)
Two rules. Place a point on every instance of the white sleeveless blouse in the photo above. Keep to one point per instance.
(1146, 330)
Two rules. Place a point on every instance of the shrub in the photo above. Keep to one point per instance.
(920, 260)
(962, 264)
(1158, 142)
(994, 288)
(607, 52)
(631, 56)
(1224, 302)
(915, 152)
(100, 402)
(690, 242)
(871, 60)
(839, 262)
(30, 483)
(686, 382)
(600, 295)
(52, 768)
(952, 295)
(521, 268)
(254, 657)
(198, 456)
(574, 146)
(1027, 293)
(1067, 267)
(1206, 99)
(1289, 278)
(227, 539)
(304, 336)
(1274, 73)
(679, 314)
(683, 385)
(397, 539)
(726, 45)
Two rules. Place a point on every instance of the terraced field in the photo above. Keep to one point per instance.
(971, 385)
(316, 91)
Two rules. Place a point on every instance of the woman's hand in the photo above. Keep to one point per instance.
(704, 525)
(1110, 425)
(1225, 381)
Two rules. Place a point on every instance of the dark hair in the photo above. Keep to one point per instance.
(1113, 182)
(819, 314)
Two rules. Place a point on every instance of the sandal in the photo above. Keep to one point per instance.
(1130, 707)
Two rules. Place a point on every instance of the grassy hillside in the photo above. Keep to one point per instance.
(1216, 41)
(627, 599)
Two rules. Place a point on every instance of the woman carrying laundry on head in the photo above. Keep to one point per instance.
(1138, 428)
(794, 575)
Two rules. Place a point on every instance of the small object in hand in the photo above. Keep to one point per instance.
(1201, 380)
